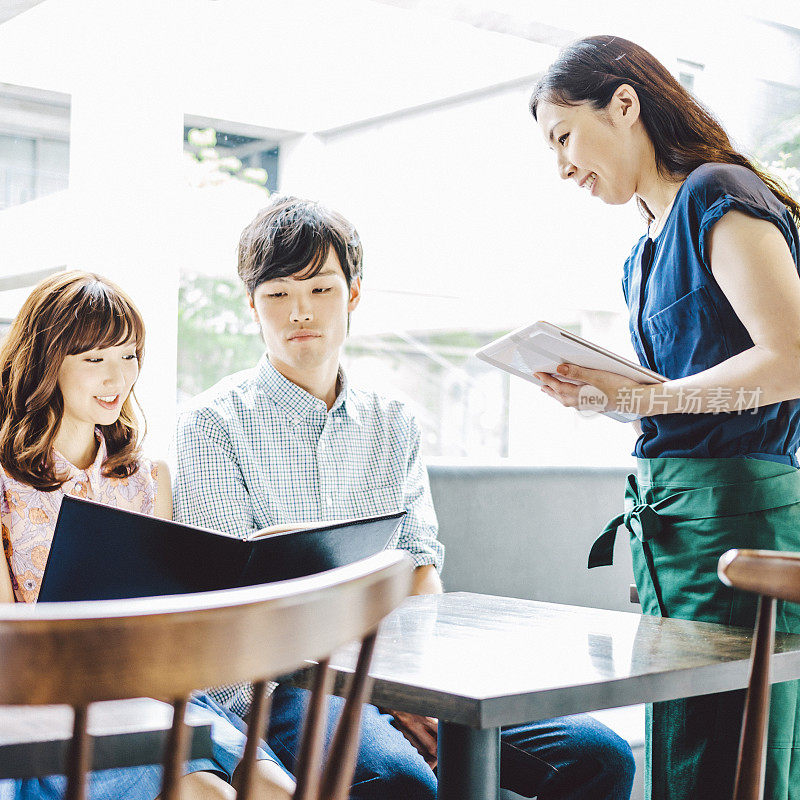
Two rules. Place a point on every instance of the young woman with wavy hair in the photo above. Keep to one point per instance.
(68, 366)
(714, 298)
(66, 315)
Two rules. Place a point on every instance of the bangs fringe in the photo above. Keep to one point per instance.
(104, 319)
(302, 253)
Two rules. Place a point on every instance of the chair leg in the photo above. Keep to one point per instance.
(341, 761)
(259, 712)
(749, 781)
(176, 752)
(307, 772)
(79, 756)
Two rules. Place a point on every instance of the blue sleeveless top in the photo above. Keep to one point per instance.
(681, 323)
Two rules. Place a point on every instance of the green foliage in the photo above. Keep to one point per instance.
(216, 334)
(203, 146)
(787, 168)
(780, 153)
(453, 348)
(783, 146)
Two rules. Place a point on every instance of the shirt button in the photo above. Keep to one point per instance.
(321, 446)
(79, 487)
(329, 500)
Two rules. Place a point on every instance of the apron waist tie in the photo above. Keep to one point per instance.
(645, 520)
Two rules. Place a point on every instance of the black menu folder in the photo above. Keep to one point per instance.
(104, 553)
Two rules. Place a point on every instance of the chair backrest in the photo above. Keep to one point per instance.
(774, 576)
(166, 647)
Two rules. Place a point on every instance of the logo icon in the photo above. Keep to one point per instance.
(591, 401)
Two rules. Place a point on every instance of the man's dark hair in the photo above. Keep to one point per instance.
(291, 235)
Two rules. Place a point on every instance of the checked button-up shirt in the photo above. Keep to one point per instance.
(257, 450)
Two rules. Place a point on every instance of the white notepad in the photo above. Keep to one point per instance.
(541, 347)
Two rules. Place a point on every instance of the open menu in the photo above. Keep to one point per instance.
(104, 553)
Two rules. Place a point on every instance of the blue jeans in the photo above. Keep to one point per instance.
(228, 735)
(569, 758)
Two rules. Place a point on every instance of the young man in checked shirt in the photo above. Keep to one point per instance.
(292, 441)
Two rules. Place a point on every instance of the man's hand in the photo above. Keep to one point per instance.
(426, 581)
(420, 731)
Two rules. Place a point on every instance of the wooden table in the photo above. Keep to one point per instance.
(126, 733)
(478, 662)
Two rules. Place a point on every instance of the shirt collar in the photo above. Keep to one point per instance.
(93, 473)
(345, 401)
(296, 401)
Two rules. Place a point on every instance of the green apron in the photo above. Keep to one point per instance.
(682, 515)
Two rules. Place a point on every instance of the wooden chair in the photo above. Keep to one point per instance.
(774, 576)
(166, 647)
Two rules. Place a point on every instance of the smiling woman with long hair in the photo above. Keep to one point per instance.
(68, 426)
(65, 316)
(714, 298)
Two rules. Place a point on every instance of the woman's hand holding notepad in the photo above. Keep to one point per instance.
(543, 347)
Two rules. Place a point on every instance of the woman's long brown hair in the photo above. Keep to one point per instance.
(684, 134)
(66, 314)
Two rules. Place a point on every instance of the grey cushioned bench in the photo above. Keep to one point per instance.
(526, 532)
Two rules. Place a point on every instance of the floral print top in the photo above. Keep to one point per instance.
(28, 516)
